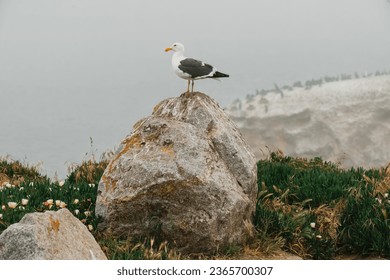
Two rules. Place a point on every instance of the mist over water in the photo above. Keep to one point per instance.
(74, 70)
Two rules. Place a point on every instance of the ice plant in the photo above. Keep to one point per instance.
(1, 216)
(62, 204)
(313, 225)
(58, 202)
(77, 211)
(12, 205)
(24, 202)
(61, 183)
(76, 201)
(3, 207)
(90, 227)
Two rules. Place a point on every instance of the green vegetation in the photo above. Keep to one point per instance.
(320, 210)
(23, 190)
(310, 208)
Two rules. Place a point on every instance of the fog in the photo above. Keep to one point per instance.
(79, 69)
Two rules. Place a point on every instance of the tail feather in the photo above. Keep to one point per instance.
(220, 75)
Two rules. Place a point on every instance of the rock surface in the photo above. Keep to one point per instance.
(184, 175)
(49, 236)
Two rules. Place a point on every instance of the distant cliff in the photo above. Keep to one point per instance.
(344, 121)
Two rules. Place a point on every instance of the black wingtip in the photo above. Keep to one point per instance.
(220, 75)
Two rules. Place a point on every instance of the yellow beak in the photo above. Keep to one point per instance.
(168, 49)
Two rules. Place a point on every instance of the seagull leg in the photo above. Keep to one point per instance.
(188, 86)
(192, 88)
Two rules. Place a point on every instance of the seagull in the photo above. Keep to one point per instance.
(191, 69)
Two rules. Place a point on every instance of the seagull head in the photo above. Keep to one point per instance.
(176, 47)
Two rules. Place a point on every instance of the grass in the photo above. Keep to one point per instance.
(311, 208)
(349, 208)
(39, 193)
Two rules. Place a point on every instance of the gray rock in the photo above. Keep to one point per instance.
(184, 175)
(49, 236)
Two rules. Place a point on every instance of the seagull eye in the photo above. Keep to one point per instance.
(174, 45)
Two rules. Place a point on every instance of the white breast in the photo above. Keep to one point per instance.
(176, 58)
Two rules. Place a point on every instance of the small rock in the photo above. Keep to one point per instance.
(49, 236)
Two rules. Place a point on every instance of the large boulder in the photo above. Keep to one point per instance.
(49, 236)
(184, 175)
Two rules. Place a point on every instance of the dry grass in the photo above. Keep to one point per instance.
(15, 172)
(128, 249)
(328, 218)
(88, 171)
(4, 179)
(383, 186)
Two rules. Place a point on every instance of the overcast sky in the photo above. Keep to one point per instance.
(63, 62)
(119, 43)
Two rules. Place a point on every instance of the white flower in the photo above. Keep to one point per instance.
(90, 227)
(379, 200)
(58, 202)
(386, 195)
(77, 211)
(49, 201)
(21, 188)
(318, 236)
(1, 216)
(91, 185)
(31, 184)
(76, 201)
(24, 202)
(8, 185)
(61, 183)
(12, 205)
(313, 225)
(3, 207)
(87, 213)
(62, 204)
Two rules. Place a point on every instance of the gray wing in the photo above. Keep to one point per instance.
(195, 67)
